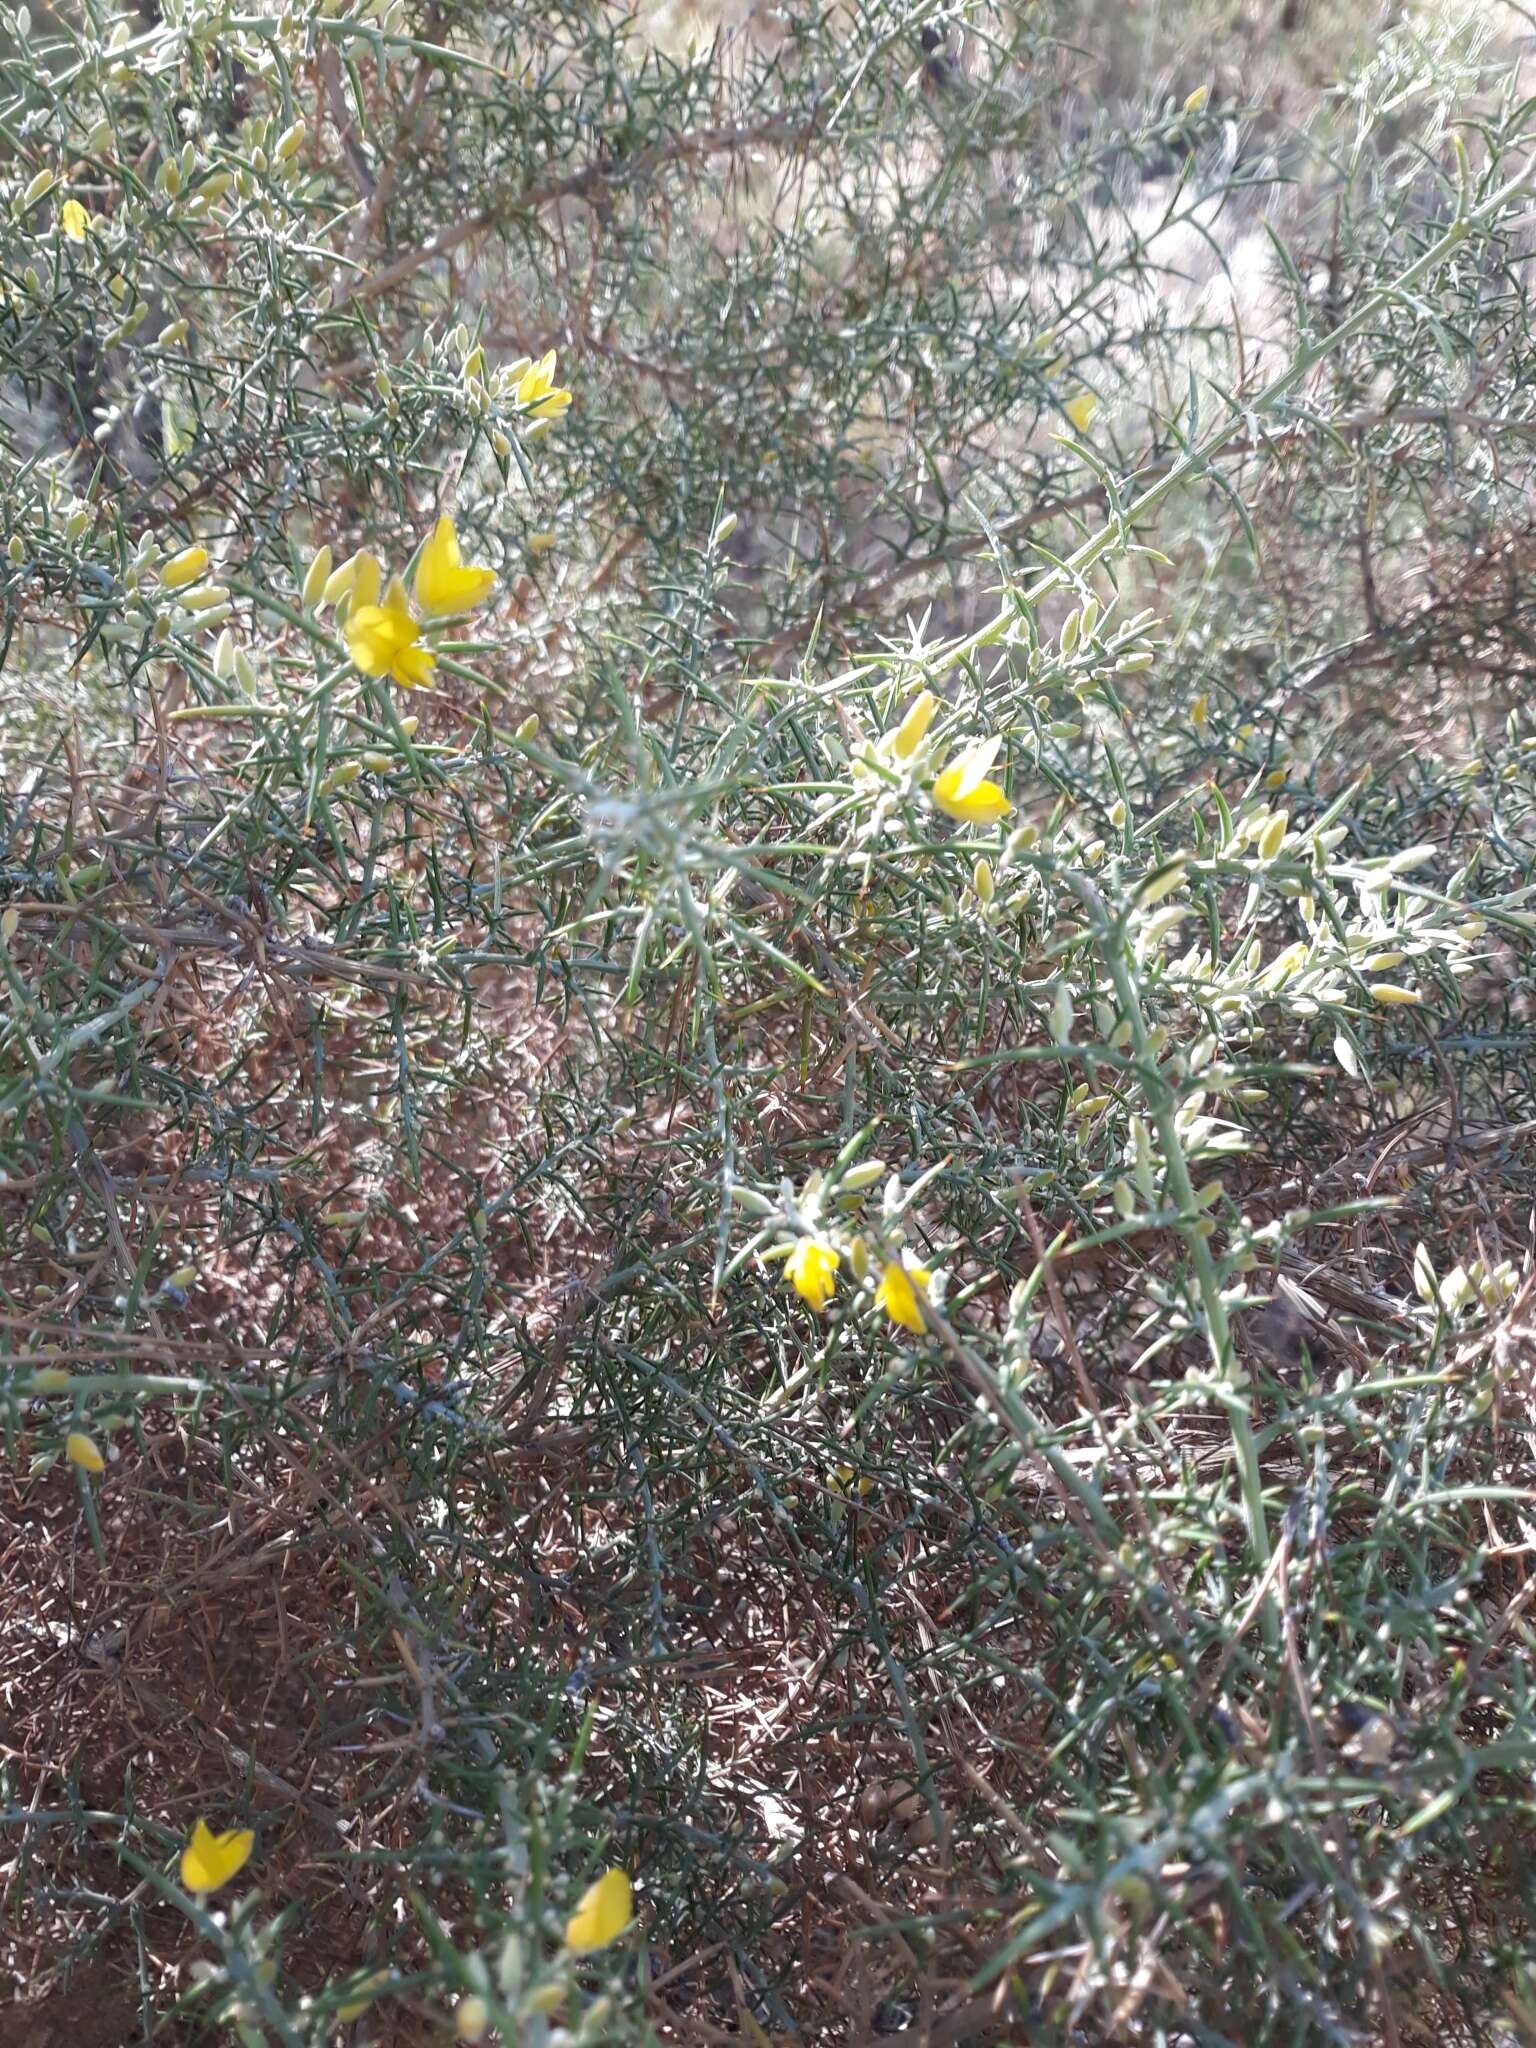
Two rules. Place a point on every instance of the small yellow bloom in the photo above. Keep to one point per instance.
(537, 390)
(898, 1294)
(1390, 992)
(602, 1913)
(1197, 99)
(383, 640)
(963, 790)
(74, 219)
(913, 729)
(809, 1270)
(211, 1860)
(81, 1451)
(442, 583)
(1080, 410)
(183, 569)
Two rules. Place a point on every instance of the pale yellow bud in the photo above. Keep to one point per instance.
(913, 729)
(81, 1451)
(316, 577)
(471, 2018)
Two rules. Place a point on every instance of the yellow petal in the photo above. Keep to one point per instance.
(1080, 410)
(80, 1450)
(211, 1860)
(964, 792)
(603, 1912)
(374, 637)
(75, 220)
(412, 667)
(809, 1270)
(898, 1294)
(913, 729)
(536, 380)
(443, 583)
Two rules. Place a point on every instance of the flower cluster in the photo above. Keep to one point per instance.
(813, 1232)
(383, 621)
(903, 763)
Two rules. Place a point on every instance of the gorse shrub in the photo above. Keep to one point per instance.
(766, 852)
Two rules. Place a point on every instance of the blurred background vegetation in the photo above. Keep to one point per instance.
(392, 1087)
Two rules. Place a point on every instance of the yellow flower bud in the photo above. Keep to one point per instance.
(1272, 838)
(316, 577)
(184, 568)
(913, 729)
(471, 2018)
(81, 1451)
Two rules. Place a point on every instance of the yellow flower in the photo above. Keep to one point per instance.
(913, 729)
(382, 640)
(80, 1450)
(898, 1294)
(210, 1860)
(442, 582)
(963, 790)
(183, 569)
(1080, 410)
(809, 1270)
(602, 1913)
(537, 390)
(74, 219)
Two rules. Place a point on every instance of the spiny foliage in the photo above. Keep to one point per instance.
(844, 1225)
